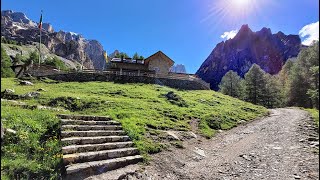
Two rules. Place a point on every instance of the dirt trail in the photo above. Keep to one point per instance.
(284, 145)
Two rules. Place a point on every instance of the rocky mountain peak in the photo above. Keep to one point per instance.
(178, 68)
(18, 17)
(269, 51)
(265, 31)
(69, 45)
(244, 31)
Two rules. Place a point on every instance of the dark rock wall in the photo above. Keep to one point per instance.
(86, 77)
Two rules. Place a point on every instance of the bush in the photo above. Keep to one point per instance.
(176, 99)
(6, 70)
(57, 63)
(213, 121)
(73, 104)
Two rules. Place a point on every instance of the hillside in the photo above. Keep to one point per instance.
(69, 45)
(144, 110)
(25, 50)
(269, 51)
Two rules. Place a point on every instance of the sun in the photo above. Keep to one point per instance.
(241, 3)
(234, 11)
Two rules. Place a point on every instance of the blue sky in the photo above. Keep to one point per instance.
(185, 30)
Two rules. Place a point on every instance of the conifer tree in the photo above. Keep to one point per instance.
(255, 85)
(230, 84)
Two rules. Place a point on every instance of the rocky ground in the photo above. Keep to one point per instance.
(284, 145)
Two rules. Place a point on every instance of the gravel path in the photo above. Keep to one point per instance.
(284, 145)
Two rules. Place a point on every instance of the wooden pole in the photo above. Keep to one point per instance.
(40, 41)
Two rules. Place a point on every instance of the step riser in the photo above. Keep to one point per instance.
(95, 148)
(94, 141)
(85, 118)
(88, 128)
(66, 134)
(73, 174)
(102, 156)
(78, 122)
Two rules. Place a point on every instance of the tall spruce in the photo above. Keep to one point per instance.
(303, 79)
(273, 96)
(313, 60)
(283, 78)
(230, 84)
(255, 85)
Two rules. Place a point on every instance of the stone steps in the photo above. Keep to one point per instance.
(84, 117)
(94, 144)
(89, 127)
(94, 140)
(66, 134)
(83, 122)
(95, 147)
(98, 155)
(82, 170)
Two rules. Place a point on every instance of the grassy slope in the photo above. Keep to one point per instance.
(142, 108)
(13, 49)
(315, 115)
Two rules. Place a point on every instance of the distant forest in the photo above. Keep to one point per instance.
(297, 84)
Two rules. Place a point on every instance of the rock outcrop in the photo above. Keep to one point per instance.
(69, 45)
(269, 51)
(178, 68)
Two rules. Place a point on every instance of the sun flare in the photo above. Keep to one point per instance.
(235, 11)
(241, 3)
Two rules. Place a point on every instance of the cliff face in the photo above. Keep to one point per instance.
(69, 45)
(269, 51)
(178, 68)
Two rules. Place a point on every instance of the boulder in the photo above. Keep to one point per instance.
(172, 136)
(26, 83)
(30, 95)
(41, 89)
(9, 94)
(9, 91)
(199, 152)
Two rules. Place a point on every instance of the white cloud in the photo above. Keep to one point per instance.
(310, 32)
(229, 35)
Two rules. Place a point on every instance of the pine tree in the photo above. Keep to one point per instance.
(230, 84)
(255, 85)
(313, 65)
(135, 56)
(272, 97)
(303, 79)
(283, 81)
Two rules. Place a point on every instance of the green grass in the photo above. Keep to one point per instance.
(34, 151)
(315, 115)
(142, 109)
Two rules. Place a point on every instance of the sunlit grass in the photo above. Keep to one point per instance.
(142, 109)
(315, 115)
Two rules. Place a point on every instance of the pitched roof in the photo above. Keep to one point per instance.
(159, 53)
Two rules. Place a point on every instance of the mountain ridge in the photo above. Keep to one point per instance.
(17, 26)
(269, 51)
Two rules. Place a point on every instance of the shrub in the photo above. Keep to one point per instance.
(73, 104)
(57, 63)
(6, 70)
